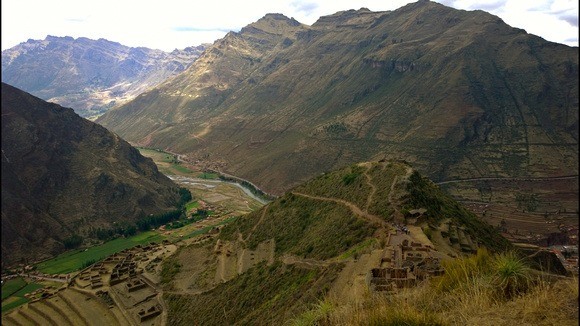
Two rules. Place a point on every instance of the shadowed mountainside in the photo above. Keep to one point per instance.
(90, 76)
(63, 175)
(459, 94)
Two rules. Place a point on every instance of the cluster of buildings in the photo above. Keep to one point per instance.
(119, 280)
(403, 265)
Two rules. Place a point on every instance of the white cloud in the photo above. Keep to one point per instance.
(171, 24)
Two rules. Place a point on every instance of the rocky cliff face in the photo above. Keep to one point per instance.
(459, 94)
(90, 75)
(63, 175)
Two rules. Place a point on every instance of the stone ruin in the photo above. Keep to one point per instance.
(134, 284)
(390, 279)
(411, 264)
(149, 313)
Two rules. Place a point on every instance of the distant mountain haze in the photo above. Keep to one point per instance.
(458, 94)
(91, 76)
(63, 175)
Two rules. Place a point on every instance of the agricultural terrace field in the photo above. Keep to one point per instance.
(13, 292)
(191, 205)
(75, 260)
(168, 164)
(539, 207)
(12, 286)
(206, 228)
(224, 199)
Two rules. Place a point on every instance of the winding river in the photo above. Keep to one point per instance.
(211, 183)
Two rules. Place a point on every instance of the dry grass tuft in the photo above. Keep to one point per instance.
(479, 290)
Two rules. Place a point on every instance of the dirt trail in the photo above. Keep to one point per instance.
(374, 219)
(355, 209)
(397, 215)
(256, 225)
(373, 189)
(305, 262)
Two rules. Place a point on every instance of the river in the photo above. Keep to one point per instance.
(211, 183)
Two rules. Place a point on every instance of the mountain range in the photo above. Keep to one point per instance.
(63, 176)
(458, 94)
(90, 76)
(353, 122)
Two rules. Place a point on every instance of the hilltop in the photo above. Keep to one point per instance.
(330, 236)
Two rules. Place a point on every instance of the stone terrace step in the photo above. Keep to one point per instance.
(44, 308)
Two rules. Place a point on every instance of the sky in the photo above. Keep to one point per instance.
(176, 24)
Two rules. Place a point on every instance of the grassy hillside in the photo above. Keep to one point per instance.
(316, 215)
(475, 291)
(319, 240)
(264, 295)
(302, 226)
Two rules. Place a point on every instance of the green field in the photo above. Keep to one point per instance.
(156, 155)
(12, 286)
(206, 229)
(181, 168)
(206, 175)
(13, 293)
(191, 205)
(167, 162)
(12, 303)
(72, 261)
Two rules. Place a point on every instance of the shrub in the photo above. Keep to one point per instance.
(73, 242)
(319, 314)
(459, 271)
(184, 197)
(511, 275)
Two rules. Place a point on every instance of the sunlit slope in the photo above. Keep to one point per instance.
(320, 238)
(457, 93)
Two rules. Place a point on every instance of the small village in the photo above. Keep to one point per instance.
(123, 287)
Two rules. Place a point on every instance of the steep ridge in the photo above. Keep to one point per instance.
(321, 238)
(63, 175)
(90, 75)
(459, 94)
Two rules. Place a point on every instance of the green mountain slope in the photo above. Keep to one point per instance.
(459, 94)
(321, 238)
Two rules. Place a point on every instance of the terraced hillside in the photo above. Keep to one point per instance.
(361, 235)
(67, 307)
(334, 235)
